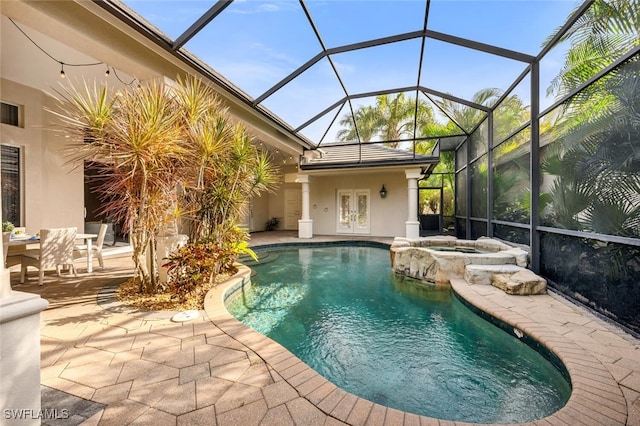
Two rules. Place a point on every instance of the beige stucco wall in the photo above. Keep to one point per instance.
(388, 215)
(276, 204)
(259, 212)
(53, 194)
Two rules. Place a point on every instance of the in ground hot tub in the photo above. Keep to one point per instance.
(481, 261)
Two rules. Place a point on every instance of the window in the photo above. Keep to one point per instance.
(9, 114)
(11, 188)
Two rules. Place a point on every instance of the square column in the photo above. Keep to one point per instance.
(412, 225)
(305, 224)
(19, 352)
(20, 357)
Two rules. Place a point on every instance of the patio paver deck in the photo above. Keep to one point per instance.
(213, 370)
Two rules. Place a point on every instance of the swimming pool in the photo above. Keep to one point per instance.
(395, 341)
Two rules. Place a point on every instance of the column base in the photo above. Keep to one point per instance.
(5, 283)
(305, 229)
(412, 229)
(20, 355)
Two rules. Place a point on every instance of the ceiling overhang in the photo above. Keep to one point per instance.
(90, 28)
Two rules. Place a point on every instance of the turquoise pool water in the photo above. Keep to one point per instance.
(395, 341)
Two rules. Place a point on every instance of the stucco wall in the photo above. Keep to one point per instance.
(259, 212)
(53, 194)
(276, 204)
(388, 215)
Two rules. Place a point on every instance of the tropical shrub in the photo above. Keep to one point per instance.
(168, 152)
(195, 266)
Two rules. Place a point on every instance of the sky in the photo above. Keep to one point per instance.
(255, 44)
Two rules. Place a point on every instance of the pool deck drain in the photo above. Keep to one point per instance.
(214, 370)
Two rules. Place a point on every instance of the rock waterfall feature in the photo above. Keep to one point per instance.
(485, 261)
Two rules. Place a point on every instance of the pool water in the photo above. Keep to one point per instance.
(398, 342)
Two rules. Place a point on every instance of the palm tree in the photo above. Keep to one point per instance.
(594, 158)
(508, 116)
(363, 129)
(596, 163)
(606, 31)
(397, 117)
(467, 117)
(390, 120)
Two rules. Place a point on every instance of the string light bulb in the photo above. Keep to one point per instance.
(84, 64)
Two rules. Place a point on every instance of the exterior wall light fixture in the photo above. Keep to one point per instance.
(383, 192)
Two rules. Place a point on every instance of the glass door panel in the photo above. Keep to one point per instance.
(353, 211)
(344, 211)
(362, 211)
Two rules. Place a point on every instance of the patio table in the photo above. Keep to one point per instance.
(25, 240)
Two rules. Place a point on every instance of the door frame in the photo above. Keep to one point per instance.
(352, 227)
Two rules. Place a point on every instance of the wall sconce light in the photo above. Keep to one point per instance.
(383, 192)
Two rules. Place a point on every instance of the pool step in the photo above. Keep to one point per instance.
(264, 257)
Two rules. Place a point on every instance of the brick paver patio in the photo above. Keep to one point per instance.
(142, 368)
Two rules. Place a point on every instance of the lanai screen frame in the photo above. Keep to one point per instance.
(534, 225)
(175, 47)
(531, 71)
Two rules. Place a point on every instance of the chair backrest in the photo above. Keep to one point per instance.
(6, 237)
(101, 234)
(56, 246)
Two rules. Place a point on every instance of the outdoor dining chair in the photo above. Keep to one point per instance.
(80, 250)
(12, 260)
(56, 249)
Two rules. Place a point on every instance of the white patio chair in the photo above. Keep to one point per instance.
(80, 250)
(56, 249)
(12, 260)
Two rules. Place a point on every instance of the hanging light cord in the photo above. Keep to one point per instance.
(62, 63)
(49, 55)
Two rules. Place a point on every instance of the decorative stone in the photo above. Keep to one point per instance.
(419, 259)
(482, 274)
(524, 282)
(521, 256)
(400, 242)
(489, 244)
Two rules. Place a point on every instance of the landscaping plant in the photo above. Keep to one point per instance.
(170, 153)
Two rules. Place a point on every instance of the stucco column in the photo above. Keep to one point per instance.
(305, 224)
(412, 226)
(19, 352)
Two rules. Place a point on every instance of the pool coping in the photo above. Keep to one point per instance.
(596, 396)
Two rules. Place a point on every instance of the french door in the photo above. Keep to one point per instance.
(353, 211)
